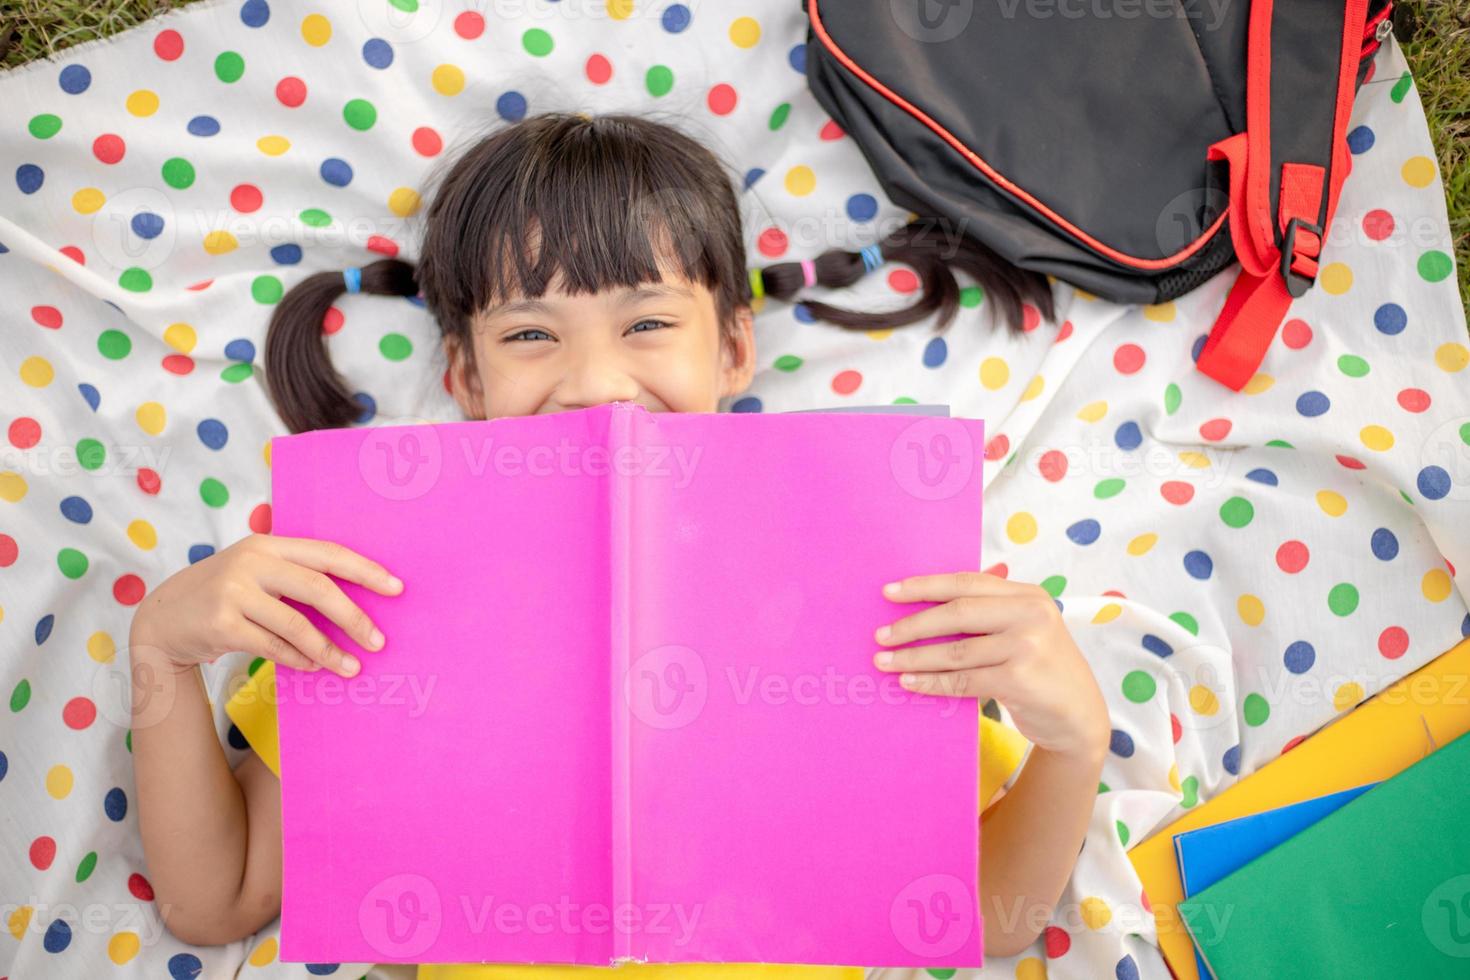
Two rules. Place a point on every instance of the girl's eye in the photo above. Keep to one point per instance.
(531, 333)
(651, 324)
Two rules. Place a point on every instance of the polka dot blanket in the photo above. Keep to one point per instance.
(1239, 568)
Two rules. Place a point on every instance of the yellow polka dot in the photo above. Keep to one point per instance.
(883, 334)
(620, 9)
(12, 487)
(18, 921)
(1021, 527)
(448, 80)
(101, 647)
(265, 953)
(273, 146)
(1418, 171)
(36, 372)
(1083, 294)
(1093, 411)
(1250, 609)
(316, 30)
(994, 373)
(1031, 968)
(1259, 382)
(1436, 585)
(123, 947)
(1174, 778)
(800, 180)
(1142, 544)
(220, 242)
(1376, 437)
(142, 534)
(1347, 695)
(1034, 387)
(58, 782)
(143, 103)
(1194, 460)
(1107, 613)
(1095, 912)
(1159, 312)
(181, 337)
(1336, 278)
(1333, 504)
(1203, 700)
(87, 200)
(745, 32)
(1452, 357)
(266, 452)
(152, 417)
(404, 201)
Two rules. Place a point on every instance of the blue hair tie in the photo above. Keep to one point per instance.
(352, 275)
(872, 257)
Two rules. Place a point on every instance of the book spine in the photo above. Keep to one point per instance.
(621, 432)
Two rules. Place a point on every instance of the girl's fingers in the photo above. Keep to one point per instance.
(959, 654)
(315, 589)
(339, 560)
(943, 588)
(978, 682)
(293, 630)
(261, 642)
(968, 614)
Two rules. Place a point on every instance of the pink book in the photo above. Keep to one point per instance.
(627, 708)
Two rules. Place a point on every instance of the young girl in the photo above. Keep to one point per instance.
(571, 261)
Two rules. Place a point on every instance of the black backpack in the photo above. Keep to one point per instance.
(1133, 148)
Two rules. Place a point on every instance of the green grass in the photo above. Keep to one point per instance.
(1435, 36)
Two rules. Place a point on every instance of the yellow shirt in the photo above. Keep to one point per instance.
(253, 710)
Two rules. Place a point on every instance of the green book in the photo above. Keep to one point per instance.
(1379, 888)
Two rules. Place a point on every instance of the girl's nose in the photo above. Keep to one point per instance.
(596, 381)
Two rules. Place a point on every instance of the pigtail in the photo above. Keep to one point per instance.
(933, 255)
(307, 391)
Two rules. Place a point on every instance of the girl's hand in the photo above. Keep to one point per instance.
(1021, 654)
(232, 600)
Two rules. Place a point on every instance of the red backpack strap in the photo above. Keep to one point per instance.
(1285, 170)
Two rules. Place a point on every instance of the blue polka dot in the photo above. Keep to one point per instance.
(1385, 545)
(802, 314)
(58, 936)
(4, 765)
(44, 626)
(1231, 760)
(1434, 482)
(1084, 531)
(862, 207)
(511, 106)
(796, 58)
(240, 349)
(749, 403)
(184, 966)
(1199, 565)
(368, 405)
(1126, 969)
(115, 804)
(1262, 475)
(74, 79)
(1312, 404)
(29, 178)
(377, 52)
(752, 175)
(203, 126)
(336, 172)
(90, 395)
(146, 224)
(1299, 657)
(935, 352)
(287, 254)
(1121, 743)
(1360, 140)
(199, 552)
(236, 738)
(212, 433)
(322, 969)
(1128, 436)
(255, 13)
(1199, 345)
(76, 510)
(1156, 646)
(1390, 319)
(1465, 625)
(676, 17)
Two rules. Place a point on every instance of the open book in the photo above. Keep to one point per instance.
(627, 708)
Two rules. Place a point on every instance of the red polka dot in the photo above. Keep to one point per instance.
(140, 888)
(1293, 744)
(721, 100)
(599, 70)
(1296, 334)
(201, 285)
(109, 148)
(1292, 557)
(1378, 224)
(772, 243)
(260, 519)
(1147, 905)
(1414, 399)
(291, 91)
(1128, 358)
(903, 281)
(245, 198)
(1030, 317)
(149, 481)
(382, 245)
(1350, 463)
(469, 25)
(1176, 729)
(79, 713)
(1057, 942)
(168, 45)
(1053, 465)
(1393, 641)
(999, 570)
(427, 142)
(43, 852)
(332, 320)
(831, 131)
(128, 589)
(1063, 333)
(997, 448)
(178, 364)
(73, 253)
(846, 382)
(25, 432)
(9, 551)
(1177, 492)
(47, 316)
(1215, 429)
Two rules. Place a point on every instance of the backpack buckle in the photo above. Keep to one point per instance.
(1297, 283)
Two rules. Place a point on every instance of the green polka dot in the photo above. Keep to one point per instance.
(1401, 87)
(395, 346)
(255, 665)
(84, 870)
(213, 492)
(360, 114)
(660, 80)
(135, 280)
(1343, 598)
(229, 66)
(787, 362)
(904, 400)
(315, 218)
(236, 372)
(1103, 788)
(1435, 265)
(971, 297)
(1054, 584)
(407, 6)
(1190, 795)
(1139, 686)
(128, 740)
(1187, 621)
(1257, 710)
(778, 117)
(1352, 365)
(1407, 499)
(45, 126)
(1122, 832)
(73, 563)
(21, 696)
(114, 344)
(1280, 444)
(1172, 397)
(266, 289)
(178, 173)
(537, 42)
(1237, 512)
(1465, 433)
(939, 973)
(91, 454)
(1110, 487)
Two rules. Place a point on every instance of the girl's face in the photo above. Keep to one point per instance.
(659, 345)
